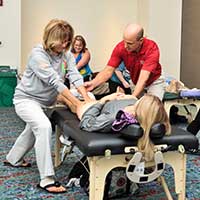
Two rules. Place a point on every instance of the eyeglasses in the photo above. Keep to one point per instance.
(66, 42)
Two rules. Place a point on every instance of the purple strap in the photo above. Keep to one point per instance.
(122, 120)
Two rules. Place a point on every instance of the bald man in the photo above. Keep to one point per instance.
(141, 58)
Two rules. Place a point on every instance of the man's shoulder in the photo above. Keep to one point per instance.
(120, 45)
(119, 48)
(148, 45)
(149, 42)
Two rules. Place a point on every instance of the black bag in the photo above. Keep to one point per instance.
(175, 117)
(194, 126)
(116, 185)
(81, 171)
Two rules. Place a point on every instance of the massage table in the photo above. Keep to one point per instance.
(106, 151)
(171, 99)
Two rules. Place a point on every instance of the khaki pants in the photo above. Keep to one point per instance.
(157, 88)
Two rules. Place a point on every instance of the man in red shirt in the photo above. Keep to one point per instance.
(141, 58)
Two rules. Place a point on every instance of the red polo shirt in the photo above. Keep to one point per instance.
(147, 59)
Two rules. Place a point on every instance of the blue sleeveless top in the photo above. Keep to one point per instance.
(124, 71)
(84, 70)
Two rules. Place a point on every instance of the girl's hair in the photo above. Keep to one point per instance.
(82, 40)
(149, 111)
(56, 32)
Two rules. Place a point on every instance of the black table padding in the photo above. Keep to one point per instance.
(95, 143)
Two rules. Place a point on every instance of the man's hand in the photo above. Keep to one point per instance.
(101, 77)
(141, 83)
(89, 86)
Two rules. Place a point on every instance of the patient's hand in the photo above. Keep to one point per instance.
(130, 109)
(127, 96)
(112, 97)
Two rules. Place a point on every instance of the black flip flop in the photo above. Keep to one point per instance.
(55, 184)
(6, 163)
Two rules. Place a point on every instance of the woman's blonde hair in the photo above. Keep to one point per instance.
(149, 111)
(56, 32)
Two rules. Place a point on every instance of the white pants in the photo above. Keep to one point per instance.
(37, 133)
(157, 88)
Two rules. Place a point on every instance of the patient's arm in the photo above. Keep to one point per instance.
(113, 96)
(93, 119)
(81, 108)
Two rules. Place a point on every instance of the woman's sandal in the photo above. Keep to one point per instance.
(55, 184)
(24, 164)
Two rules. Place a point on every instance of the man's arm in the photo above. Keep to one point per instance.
(150, 64)
(141, 83)
(101, 77)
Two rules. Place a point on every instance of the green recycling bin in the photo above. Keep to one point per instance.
(8, 82)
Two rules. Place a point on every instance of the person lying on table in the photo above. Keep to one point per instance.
(115, 111)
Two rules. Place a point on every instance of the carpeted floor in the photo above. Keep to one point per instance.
(17, 183)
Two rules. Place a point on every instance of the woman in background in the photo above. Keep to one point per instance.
(82, 56)
(120, 80)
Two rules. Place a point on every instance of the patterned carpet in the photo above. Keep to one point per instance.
(20, 183)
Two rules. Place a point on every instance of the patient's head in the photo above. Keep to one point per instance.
(149, 110)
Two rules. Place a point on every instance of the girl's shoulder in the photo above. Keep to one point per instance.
(86, 51)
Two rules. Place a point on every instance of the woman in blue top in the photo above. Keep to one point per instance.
(82, 56)
(120, 78)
